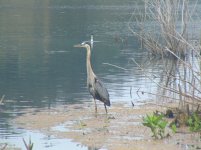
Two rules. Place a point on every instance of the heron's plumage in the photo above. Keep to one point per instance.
(101, 92)
(95, 86)
(98, 91)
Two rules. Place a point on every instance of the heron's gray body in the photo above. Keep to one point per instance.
(98, 91)
(95, 86)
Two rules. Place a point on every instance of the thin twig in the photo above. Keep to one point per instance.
(115, 66)
(1, 101)
(131, 92)
(187, 95)
(149, 93)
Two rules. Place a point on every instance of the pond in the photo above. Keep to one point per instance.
(40, 68)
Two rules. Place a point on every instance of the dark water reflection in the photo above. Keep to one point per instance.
(39, 66)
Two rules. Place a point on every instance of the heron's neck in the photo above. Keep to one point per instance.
(90, 72)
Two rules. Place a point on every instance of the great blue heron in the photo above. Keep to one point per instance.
(95, 86)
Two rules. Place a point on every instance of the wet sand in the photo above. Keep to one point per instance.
(121, 129)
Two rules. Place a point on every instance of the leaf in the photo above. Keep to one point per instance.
(156, 123)
(194, 122)
(157, 119)
(190, 121)
(174, 128)
(162, 124)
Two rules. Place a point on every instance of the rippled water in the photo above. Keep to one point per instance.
(41, 141)
(40, 68)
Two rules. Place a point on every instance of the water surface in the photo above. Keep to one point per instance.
(40, 68)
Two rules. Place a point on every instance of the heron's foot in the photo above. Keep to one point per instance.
(105, 109)
(96, 115)
(96, 112)
(95, 106)
(96, 109)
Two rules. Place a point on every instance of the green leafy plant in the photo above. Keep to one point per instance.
(157, 124)
(174, 128)
(194, 122)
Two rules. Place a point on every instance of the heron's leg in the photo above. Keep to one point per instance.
(95, 105)
(105, 108)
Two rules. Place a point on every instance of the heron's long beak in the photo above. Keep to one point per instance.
(78, 45)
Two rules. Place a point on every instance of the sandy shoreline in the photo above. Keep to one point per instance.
(120, 129)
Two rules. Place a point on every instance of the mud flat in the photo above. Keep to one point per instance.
(121, 129)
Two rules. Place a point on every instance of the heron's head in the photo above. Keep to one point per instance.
(83, 44)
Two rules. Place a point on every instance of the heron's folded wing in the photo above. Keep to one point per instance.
(101, 90)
